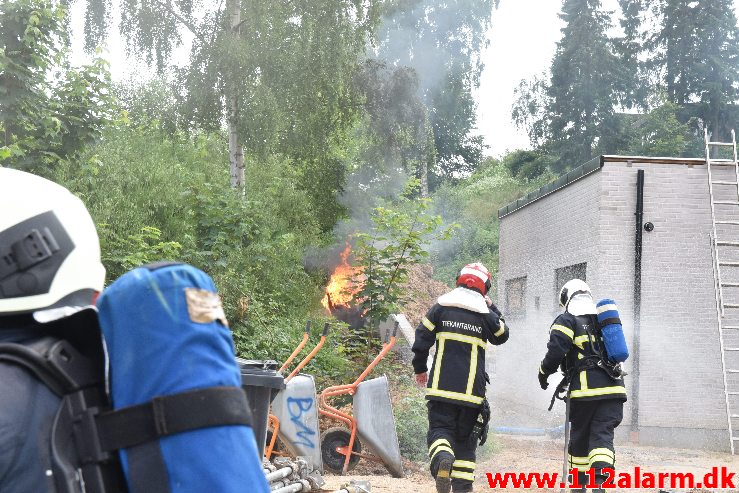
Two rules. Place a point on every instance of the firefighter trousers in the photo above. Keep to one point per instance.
(450, 434)
(591, 436)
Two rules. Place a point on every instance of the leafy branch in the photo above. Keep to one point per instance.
(401, 232)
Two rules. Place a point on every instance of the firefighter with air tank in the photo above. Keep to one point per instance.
(461, 323)
(577, 344)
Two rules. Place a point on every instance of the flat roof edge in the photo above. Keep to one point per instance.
(613, 158)
(571, 176)
(586, 169)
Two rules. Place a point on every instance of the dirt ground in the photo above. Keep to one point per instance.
(523, 454)
(425, 291)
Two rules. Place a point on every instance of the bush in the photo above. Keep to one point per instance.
(412, 423)
(156, 195)
(411, 416)
(121, 254)
(473, 203)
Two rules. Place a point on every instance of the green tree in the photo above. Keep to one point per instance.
(529, 110)
(634, 80)
(574, 114)
(473, 203)
(277, 72)
(584, 86)
(156, 195)
(49, 111)
(121, 254)
(396, 128)
(458, 151)
(659, 132)
(398, 240)
(695, 52)
(442, 41)
(526, 165)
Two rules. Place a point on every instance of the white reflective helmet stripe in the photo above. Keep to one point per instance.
(483, 276)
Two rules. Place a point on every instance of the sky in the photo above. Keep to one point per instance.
(523, 37)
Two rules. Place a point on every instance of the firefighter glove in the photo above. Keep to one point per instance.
(543, 381)
(484, 422)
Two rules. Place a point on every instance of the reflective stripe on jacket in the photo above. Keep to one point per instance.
(570, 343)
(458, 371)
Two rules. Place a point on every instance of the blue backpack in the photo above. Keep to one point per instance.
(173, 371)
(612, 330)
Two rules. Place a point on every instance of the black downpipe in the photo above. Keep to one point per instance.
(637, 302)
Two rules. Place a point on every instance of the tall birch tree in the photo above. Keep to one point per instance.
(277, 74)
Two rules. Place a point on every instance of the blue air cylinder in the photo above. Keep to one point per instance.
(612, 330)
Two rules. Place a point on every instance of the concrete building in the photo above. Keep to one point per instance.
(584, 225)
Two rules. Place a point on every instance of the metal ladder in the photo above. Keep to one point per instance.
(727, 293)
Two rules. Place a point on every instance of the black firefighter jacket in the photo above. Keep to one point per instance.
(461, 325)
(569, 346)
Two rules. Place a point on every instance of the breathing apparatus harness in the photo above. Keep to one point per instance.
(599, 359)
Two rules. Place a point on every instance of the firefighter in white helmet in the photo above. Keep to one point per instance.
(50, 272)
(596, 392)
(461, 323)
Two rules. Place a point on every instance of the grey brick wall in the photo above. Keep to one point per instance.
(553, 232)
(592, 220)
(681, 383)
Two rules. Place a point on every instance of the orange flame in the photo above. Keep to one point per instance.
(342, 287)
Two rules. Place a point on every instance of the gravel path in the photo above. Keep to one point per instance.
(522, 454)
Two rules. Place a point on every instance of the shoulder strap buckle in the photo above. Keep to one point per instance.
(87, 438)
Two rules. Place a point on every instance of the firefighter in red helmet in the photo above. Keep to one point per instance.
(461, 323)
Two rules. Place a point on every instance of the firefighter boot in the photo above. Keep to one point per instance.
(443, 472)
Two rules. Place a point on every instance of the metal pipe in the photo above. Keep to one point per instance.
(296, 487)
(275, 424)
(637, 302)
(279, 474)
(291, 488)
(386, 347)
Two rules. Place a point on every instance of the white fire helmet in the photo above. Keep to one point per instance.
(575, 297)
(49, 248)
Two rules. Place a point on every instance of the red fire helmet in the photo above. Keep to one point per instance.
(475, 276)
